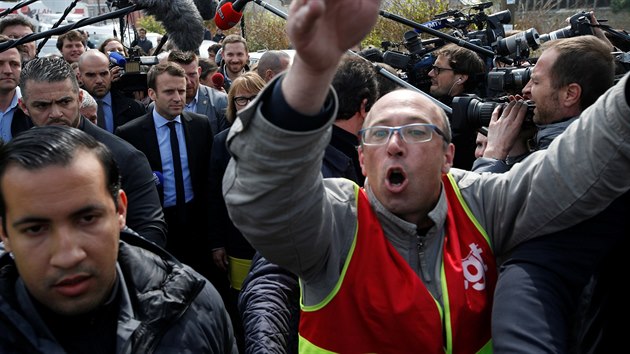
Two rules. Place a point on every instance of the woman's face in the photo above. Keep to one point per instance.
(242, 98)
(114, 46)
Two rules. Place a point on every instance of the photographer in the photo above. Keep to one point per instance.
(455, 72)
(115, 108)
(539, 287)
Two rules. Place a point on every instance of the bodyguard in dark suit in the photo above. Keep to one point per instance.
(118, 109)
(51, 96)
(177, 145)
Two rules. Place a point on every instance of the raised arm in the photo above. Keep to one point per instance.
(321, 33)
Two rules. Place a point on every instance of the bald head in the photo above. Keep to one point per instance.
(410, 104)
(91, 56)
(94, 73)
(271, 63)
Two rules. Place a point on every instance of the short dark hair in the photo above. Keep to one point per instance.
(214, 48)
(161, 68)
(464, 61)
(207, 67)
(40, 147)
(354, 81)
(586, 61)
(182, 58)
(47, 69)
(72, 36)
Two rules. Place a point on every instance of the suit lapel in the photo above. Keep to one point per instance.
(150, 135)
(204, 101)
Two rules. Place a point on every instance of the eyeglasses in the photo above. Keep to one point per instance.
(438, 70)
(410, 133)
(242, 100)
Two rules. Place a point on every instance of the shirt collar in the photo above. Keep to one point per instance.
(161, 121)
(107, 99)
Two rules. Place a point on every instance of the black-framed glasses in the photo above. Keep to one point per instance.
(438, 70)
(410, 133)
(243, 100)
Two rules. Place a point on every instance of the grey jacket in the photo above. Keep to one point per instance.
(276, 196)
(213, 104)
(169, 308)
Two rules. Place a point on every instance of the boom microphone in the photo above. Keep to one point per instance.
(217, 80)
(229, 14)
(180, 18)
(207, 8)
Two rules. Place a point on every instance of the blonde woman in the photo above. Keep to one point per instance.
(231, 253)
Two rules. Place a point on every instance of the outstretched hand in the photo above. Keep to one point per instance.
(321, 31)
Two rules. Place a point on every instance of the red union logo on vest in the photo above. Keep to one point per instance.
(474, 269)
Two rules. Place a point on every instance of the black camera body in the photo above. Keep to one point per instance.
(508, 80)
(471, 112)
(416, 64)
(579, 25)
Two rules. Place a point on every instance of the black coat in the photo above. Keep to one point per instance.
(125, 109)
(173, 307)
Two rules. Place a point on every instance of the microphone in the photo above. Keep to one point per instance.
(207, 8)
(158, 179)
(230, 14)
(117, 59)
(180, 18)
(217, 80)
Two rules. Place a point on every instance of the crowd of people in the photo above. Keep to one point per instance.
(307, 204)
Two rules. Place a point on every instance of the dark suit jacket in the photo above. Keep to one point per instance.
(144, 211)
(125, 109)
(141, 133)
(20, 123)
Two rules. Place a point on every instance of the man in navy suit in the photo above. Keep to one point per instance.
(178, 145)
(118, 109)
(200, 98)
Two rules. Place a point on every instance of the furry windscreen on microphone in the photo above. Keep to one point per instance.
(207, 8)
(180, 18)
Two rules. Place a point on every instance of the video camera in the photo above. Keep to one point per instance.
(579, 25)
(510, 80)
(135, 68)
(471, 112)
(416, 64)
(493, 25)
